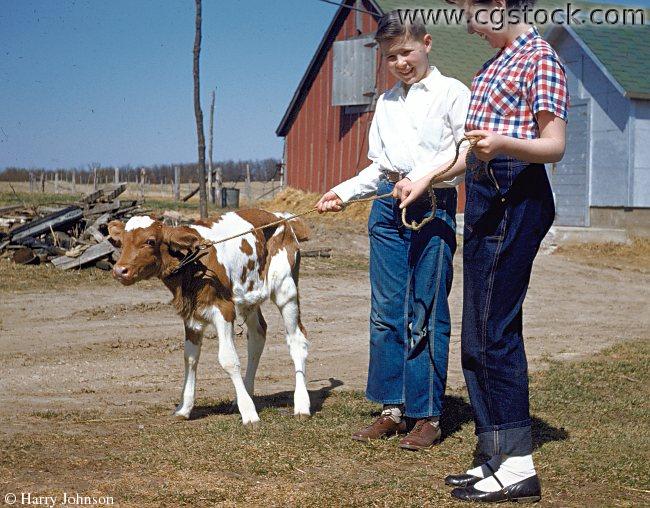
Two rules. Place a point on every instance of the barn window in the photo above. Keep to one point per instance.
(353, 82)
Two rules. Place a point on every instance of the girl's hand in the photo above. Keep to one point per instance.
(329, 202)
(413, 190)
(489, 145)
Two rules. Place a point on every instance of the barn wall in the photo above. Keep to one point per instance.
(641, 161)
(324, 145)
(609, 132)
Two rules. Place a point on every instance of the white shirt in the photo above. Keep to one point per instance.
(414, 133)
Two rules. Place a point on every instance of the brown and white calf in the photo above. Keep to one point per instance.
(230, 282)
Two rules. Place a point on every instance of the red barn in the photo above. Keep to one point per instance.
(326, 124)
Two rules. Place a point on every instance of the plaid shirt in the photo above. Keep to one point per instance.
(524, 78)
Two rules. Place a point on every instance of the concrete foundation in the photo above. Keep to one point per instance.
(636, 221)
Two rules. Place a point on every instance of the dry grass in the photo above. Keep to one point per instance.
(296, 201)
(634, 256)
(590, 432)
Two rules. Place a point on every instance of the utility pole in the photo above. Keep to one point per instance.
(203, 206)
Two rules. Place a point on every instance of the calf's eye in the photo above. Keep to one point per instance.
(151, 242)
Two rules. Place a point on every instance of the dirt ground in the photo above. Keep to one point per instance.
(73, 342)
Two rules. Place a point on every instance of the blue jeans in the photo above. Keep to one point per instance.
(410, 279)
(508, 211)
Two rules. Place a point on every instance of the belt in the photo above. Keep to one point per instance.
(394, 176)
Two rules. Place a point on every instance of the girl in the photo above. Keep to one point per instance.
(518, 113)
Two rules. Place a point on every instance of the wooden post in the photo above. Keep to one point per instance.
(31, 182)
(210, 171)
(56, 182)
(249, 190)
(218, 184)
(142, 177)
(43, 181)
(198, 113)
(116, 176)
(177, 183)
(74, 181)
(94, 179)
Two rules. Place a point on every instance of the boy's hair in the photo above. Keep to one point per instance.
(395, 25)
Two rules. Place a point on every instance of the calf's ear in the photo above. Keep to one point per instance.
(115, 230)
(181, 238)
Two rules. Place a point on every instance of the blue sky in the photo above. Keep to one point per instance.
(111, 81)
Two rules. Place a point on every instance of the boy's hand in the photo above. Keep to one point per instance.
(489, 145)
(413, 190)
(330, 202)
(400, 186)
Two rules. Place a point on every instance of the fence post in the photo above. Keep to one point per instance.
(74, 181)
(142, 177)
(31, 182)
(249, 191)
(116, 176)
(56, 182)
(177, 183)
(218, 186)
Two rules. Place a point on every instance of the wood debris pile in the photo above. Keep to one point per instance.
(69, 236)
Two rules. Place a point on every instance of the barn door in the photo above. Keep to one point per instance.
(570, 176)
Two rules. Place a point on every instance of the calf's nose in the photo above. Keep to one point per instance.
(120, 271)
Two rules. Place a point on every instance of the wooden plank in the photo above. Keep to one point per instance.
(56, 220)
(92, 197)
(91, 254)
(116, 191)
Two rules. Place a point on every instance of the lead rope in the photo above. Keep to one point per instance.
(199, 251)
(415, 226)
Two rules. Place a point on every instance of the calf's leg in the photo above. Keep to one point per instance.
(230, 362)
(256, 335)
(286, 298)
(193, 340)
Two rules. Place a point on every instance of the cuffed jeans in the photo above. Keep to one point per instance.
(410, 279)
(508, 211)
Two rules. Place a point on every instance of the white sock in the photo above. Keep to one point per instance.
(395, 413)
(511, 470)
(483, 471)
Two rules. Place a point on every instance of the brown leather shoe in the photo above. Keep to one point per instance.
(425, 434)
(382, 427)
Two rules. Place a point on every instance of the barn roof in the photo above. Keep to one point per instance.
(621, 51)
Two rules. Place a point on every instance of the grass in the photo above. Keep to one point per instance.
(590, 432)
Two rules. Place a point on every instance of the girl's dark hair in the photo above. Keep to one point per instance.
(396, 24)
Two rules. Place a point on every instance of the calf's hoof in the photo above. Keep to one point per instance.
(181, 415)
(302, 416)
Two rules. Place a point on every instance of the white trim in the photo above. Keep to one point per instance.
(631, 124)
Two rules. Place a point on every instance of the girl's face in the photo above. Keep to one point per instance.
(487, 19)
(407, 58)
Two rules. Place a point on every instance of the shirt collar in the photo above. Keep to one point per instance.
(427, 82)
(519, 43)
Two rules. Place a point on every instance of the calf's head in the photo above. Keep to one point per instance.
(149, 248)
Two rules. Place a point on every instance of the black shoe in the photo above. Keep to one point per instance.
(461, 480)
(525, 491)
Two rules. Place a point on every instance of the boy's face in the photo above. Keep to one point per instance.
(407, 58)
(485, 18)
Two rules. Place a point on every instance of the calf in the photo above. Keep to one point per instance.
(229, 281)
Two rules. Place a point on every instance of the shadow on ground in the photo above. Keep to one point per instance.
(273, 400)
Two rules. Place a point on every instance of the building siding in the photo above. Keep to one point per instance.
(641, 164)
(609, 135)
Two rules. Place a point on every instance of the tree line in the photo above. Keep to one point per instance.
(233, 171)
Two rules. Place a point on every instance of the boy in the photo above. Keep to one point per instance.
(414, 129)
(518, 112)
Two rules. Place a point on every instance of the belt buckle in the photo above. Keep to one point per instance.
(394, 176)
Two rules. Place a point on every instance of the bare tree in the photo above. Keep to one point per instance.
(203, 207)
